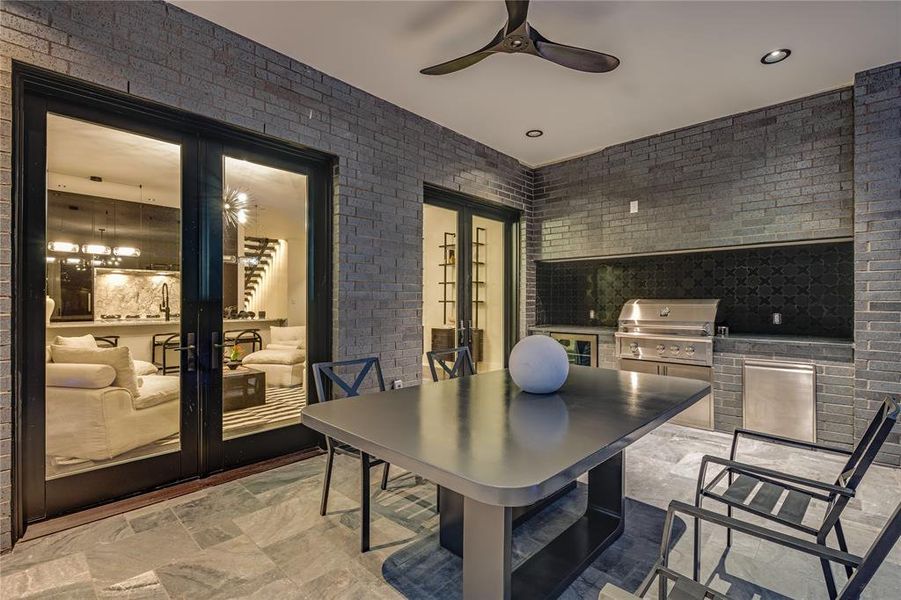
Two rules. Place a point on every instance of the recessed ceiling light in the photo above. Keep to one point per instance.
(533, 133)
(771, 58)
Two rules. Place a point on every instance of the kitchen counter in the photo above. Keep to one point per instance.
(789, 338)
(149, 323)
(585, 329)
(725, 341)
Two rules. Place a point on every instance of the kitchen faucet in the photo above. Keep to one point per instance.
(165, 304)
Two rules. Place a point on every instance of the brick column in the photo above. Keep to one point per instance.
(877, 240)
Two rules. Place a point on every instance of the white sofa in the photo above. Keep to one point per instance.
(91, 417)
(284, 359)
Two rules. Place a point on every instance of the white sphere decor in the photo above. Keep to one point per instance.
(538, 364)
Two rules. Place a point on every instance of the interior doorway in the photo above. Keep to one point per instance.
(469, 277)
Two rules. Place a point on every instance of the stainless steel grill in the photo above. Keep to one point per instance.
(675, 331)
(672, 338)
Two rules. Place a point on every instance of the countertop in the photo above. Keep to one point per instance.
(587, 329)
(734, 337)
(148, 323)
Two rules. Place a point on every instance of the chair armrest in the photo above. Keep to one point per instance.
(788, 541)
(747, 469)
(782, 441)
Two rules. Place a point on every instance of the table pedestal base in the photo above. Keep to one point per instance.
(487, 531)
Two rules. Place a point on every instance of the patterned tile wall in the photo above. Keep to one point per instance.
(812, 286)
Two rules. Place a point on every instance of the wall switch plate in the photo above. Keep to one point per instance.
(633, 206)
(591, 314)
(397, 384)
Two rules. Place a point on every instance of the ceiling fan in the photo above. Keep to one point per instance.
(518, 36)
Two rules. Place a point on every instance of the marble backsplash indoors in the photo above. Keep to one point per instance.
(134, 292)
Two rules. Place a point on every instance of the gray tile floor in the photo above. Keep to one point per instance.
(262, 537)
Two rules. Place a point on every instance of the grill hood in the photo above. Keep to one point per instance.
(675, 316)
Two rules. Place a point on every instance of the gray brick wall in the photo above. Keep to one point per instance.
(385, 155)
(877, 240)
(782, 173)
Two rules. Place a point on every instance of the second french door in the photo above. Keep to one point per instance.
(264, 320)
(469, 277)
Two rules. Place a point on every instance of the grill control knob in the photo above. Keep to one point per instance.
(661, 348)
(674, 349)
(689, 350)
(634, 347)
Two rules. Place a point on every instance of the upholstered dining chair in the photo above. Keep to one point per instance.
(799, 492)
(356, 372)
(454, 362)
(673, 585)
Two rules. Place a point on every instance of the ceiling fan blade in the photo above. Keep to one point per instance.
(517, 11)
(580, 59)
(467, 60)
(456, 64)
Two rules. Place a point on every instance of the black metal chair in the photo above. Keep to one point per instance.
(462, 360)
(327, 370)
(799, 492)
(235, 337)
(107, 341)
(684, 588)
(164, 342)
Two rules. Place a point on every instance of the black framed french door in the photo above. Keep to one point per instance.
(121, 209)
(270, 251)
(470, 276)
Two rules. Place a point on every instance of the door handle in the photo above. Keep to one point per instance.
(191, 351)
(215, 351)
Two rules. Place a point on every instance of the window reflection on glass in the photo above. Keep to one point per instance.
(264, 289)
(488, 293)
(113, 296)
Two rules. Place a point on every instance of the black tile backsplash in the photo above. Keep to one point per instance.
(811, 285)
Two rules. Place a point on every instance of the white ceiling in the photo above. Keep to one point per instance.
(142, 169)
(682, 62)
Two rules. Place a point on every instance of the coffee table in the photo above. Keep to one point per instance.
(242, 387)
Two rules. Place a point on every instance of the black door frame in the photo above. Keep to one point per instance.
(467, 207)
(37, 91)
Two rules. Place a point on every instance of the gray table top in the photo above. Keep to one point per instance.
(482, 437)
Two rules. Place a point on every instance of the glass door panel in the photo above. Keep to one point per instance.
(488, 297)
(440, 268)
(113, 298)
(264, 297)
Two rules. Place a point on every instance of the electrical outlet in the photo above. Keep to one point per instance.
(397, 384)
(591, 314)
(633, 206)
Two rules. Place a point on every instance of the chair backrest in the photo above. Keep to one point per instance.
(874, 558)
(870, 444)
(362, 366)
(462, 360)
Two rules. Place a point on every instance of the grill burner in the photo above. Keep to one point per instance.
(674, 331)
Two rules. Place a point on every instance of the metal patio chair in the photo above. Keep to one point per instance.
(798, 492)
(327, 370)
(462, 360)
(684, 588)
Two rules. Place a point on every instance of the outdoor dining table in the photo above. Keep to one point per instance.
(499, 454)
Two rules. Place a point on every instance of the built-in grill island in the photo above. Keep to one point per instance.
(674, 338)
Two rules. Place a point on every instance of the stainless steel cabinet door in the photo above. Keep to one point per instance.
(640, 366)
(780, 398)
(699, 414)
